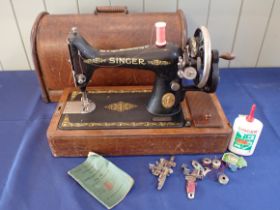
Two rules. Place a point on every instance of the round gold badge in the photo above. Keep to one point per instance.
(168, 100)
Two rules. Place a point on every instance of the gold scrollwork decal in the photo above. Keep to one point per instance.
(120, 106)
(159, 62)
(67, 124)
(74, 94)
(95, 60)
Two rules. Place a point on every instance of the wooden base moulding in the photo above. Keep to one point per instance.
(209, 132)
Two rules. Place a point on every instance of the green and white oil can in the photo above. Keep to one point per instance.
(246, 133)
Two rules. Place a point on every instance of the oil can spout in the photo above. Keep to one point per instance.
(250, 117)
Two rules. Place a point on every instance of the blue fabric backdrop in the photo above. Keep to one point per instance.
(31, 178)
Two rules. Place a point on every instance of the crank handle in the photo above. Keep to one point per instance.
(227, 56)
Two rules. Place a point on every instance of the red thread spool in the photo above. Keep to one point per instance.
(160, 34)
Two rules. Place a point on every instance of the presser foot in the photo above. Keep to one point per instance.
(87, 105)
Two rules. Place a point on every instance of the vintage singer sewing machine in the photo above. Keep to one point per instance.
(197, 63)
(143, 120)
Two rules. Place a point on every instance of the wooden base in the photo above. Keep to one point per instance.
(209, 132)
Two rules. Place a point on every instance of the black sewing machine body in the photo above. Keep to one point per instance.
(170, 63)
(161, 61)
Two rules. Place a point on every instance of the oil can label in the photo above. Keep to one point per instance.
(244, 141)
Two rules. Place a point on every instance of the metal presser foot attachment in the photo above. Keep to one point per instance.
(87, 105)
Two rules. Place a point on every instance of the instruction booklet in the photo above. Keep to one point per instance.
(102, 179)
